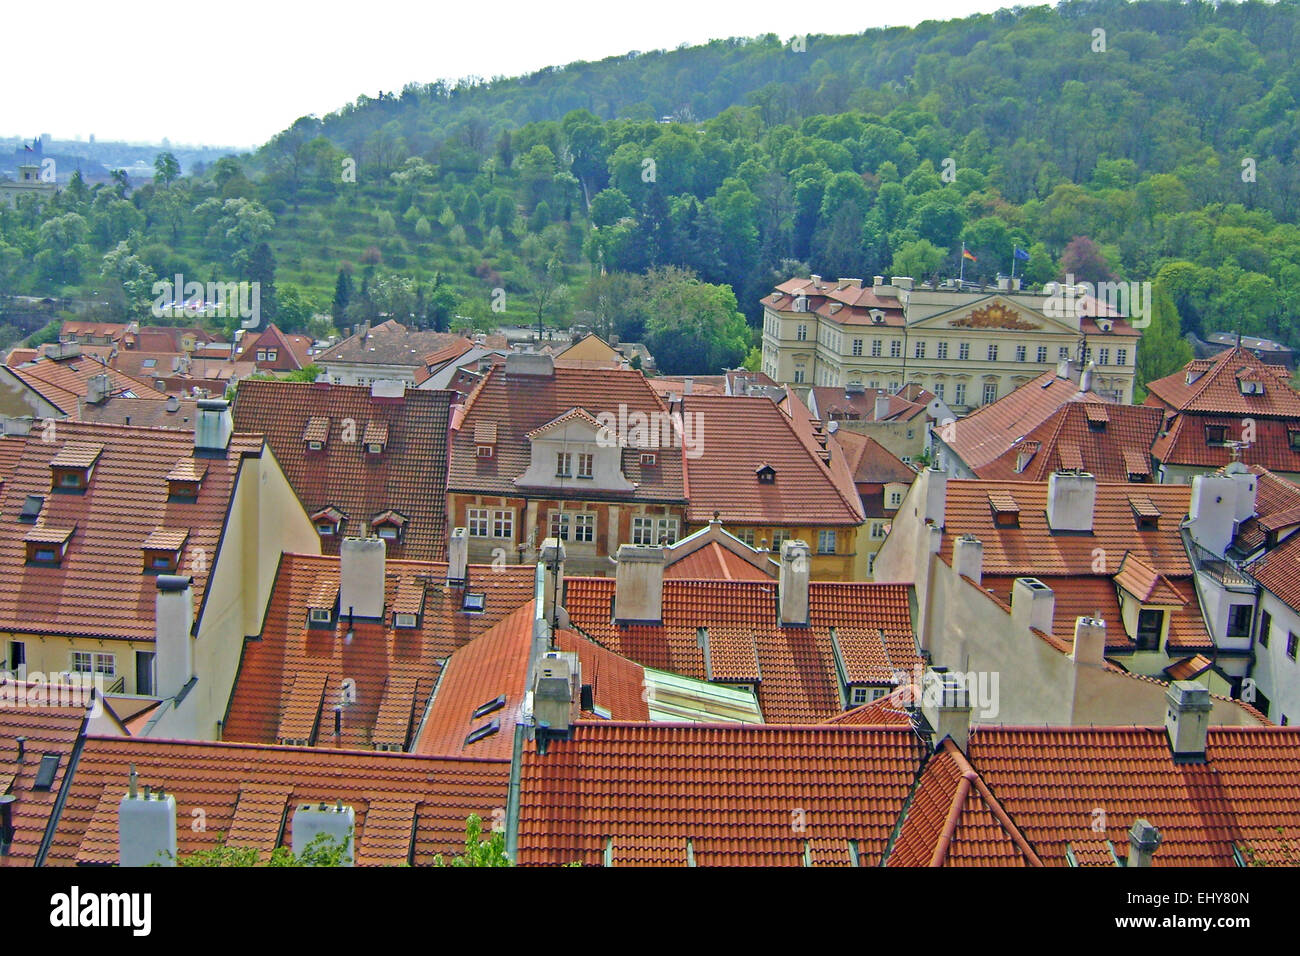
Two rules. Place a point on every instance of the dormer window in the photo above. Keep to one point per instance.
(328, 521)
(485, 451)
(390, 525)
(1145, 513)
(1216, 434)
(375, 438)
(1249, 387)
(648, 459)
(485, 439)
(766, 475)
(184, 480)
(408, 605)
(162, 551)
(271, 355)
(317, 433)
(405, 621)
(322, 604)
(1293, 438)
(47, 545)
(72, 467)
(1006, 513)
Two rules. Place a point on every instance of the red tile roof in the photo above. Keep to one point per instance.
(409, 477)
(1142, 581)
(295, 672)
(990, 431)
(388, 343)
(291, 351)
(739, 436)
(797, 664)
(1187, 442)
(871, 462)
(49, 730)
(494, 666)
(1213, 387)
(841, 404)
(252, 792)
(1279, 571)
(888, 711)
(63, 382)
(714, 562)
(100, 588)
(954, 819)
(1112, 442)
(518, 404)
(1054, 781)
(755, 795)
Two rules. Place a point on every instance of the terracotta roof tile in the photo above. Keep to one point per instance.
(216, 777)
(714, 562)
(1052, 781)
(259, 817)
(1112, 442)
(888, 711)
(409, 477)
(797, 664)
(1138, 578)
(381, 659)
(101, 588)
(1214, 387)
(64, 381)
(741, 795)
(388, 343)
(49, 730)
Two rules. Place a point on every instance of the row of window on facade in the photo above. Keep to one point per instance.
(576, 526)
(920, 347)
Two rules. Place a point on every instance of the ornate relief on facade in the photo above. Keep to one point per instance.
(995, 316)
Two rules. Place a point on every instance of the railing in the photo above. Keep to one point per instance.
(1219, 568)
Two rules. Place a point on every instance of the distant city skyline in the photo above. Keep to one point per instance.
(174, 71)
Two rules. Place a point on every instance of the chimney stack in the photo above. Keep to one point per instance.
(1033, 605)
(1213, 512)
(1143, 841)
(361, 577)
(1071, 497)
(556, 690)
(337, 821)
(1187, 720)
(458, 557)
(97, 389)
(936, 494)
(146, 827)
(1085, 378)
(551, 600)
(213, 426)
(639, 584)
(529, 365)
(793, 583)
(173, 624)
(968, 557)
(1089, 641)
(881, 411)
(1247, 485)
(945, 704)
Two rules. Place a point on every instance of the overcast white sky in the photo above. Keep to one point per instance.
(235, 72)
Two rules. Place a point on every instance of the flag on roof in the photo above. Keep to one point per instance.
(1020, 254)
(967, 254)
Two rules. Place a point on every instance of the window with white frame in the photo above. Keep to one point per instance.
(1103, 356)
(959, 393)
(585, 463)
(476, 519)
(666, 531)
(801, 333)
(895, 348)
(859, 696)
(1042, 353)
(942, 350)
(563, 464)
(643, 530)
(560, 525)
(857, 346)
(919, 349)
(938, 390)
(1022, 353)
(993, 352)
(876, 345)
(1121, 357)
(1063, 353)
(895, 499)
(877, 529)
(503, 524)
(990, 393)
(963, 351)
(798, 374)
(826, 542)
(746, 535)
(94, 662)
(779, 535)
(584, 527)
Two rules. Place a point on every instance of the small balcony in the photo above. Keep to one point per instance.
(1219, 569)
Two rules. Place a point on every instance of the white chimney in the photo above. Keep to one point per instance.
(1187, 720)
(688, 386)
(968, 557)
(1071, 497)
(902, 282)
(877, 281)
(361, 578)
(639, 584)
(936, 494)
(146, 827)
(882, 406)
(1089, 641)
(387, 388)
(336, 821)
(1247, 487)
(458, 557)
(1085, 378)
(1033, 605)
(173, 645)
(945, 705)
(1213, 511)
(213, 426)
(554, 691)
(97, 388)
(530, 365)
(1143, 841)
(793, 582)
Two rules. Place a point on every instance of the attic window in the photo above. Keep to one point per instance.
(45, 773)
(1216, 434)
(766, 474)
(487, 730)
(321, 604)
(1293, 438)
(482, 710)
(391, 525)
(375, 437)
(31, 508)
(1006, 513)
(317, 433)
(1249, 387)
(485, 439)
(162, 551)
(328, 521)
(47, 545)
(648, 458)
(405, 620)
(185, 479)
(73, 465)
(1097, 415)
(474, 602)
(320, 615)
(485, 451)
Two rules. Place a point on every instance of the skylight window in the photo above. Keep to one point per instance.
(31, 508)
(482, 710)
(487, 730)
(46, 772)
(475, 602)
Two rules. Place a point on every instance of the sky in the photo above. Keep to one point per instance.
(235, 72)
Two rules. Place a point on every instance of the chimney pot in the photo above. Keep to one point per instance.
(793, 582)
(1187, 720)
(1143, 841)
(1071, 498)
(1033, 604)
(968, 557)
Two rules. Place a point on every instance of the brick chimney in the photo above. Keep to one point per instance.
(639, 584)
(1071, 497)
(361, 577)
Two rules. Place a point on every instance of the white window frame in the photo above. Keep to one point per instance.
(942, 349)
(989, 399)
(503, 523)
(963, 352)
(584, 527)
(476, 518)
(564, 464)
(586, 464)
(666, 531)
(827, 537)
(643, 529)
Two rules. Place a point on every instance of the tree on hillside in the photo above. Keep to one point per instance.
(166, 169)
(1162, 350)
(693, 326)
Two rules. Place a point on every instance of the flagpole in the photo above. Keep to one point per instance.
(1013, 260)
(961, 272)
